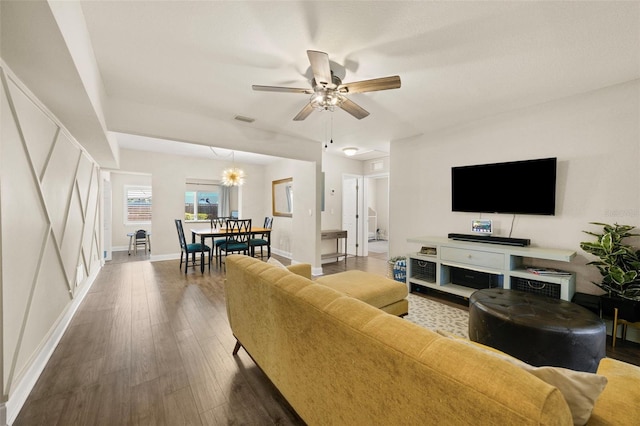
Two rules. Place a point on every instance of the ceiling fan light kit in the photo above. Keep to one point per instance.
(326, 100)
(327, 90)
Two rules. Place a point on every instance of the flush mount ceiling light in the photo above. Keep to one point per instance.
(349, 151)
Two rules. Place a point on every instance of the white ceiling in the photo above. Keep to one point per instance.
(182, 70)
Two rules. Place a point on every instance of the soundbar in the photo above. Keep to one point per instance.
(520, 242)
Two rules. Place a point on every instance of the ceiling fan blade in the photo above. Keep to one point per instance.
(304, 113)
(354, 109)
(320, 67)
(281, 89)
(373, 85)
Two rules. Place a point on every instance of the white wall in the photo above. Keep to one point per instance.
(295, 237)
(334, 168)
(596, 138)
(49, 236)
(282, 227)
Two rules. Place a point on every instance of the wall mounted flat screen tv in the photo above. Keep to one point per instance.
(516, 187)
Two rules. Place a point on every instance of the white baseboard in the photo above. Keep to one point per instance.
(282, 253)
(161, 257)
(9, 410)
(316, 272)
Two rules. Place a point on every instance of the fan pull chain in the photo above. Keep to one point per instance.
(331, 128)
(325, 135)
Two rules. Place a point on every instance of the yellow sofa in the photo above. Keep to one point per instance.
(340, 361)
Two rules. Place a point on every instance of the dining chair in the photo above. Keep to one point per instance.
(236, 239)
(140, 239)
(262, 240)
(193, 248)
(218, 223)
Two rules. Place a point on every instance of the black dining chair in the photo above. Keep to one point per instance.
(236, 239)
(218, 222)
(193, 248)
(262, 240)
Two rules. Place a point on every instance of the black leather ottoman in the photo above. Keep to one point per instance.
(537, 329)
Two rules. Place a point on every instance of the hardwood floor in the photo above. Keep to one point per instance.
(151, 345)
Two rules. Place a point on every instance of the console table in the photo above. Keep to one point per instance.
(335, 234)
(446, 261)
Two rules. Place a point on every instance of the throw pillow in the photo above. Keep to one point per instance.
(275, 262)
(579, 389)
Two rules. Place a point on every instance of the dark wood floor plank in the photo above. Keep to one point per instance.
(279, 411)
(180, 408)
(219, 356)
(157, 311)
(81, 407)
(42, 412)
(147, 404)
(206, 389)
(144, 366)
(114, 396)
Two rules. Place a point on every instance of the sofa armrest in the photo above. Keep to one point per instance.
(618, 403)
(303, 269)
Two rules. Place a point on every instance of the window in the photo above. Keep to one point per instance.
(137, 204)
(201, 200)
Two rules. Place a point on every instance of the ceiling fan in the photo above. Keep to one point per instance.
(328, 91)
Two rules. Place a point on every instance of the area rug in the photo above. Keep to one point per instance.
(437, 316)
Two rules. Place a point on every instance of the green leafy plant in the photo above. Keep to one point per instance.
(619, 263)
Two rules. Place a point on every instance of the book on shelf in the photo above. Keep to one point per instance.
(428, 251)
(548, 271)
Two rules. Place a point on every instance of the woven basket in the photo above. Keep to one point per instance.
(397, 269)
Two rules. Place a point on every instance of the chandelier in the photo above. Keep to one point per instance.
(232, 176)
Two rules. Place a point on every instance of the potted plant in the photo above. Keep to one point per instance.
(619, 265)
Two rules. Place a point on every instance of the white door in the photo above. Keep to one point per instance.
(352, 217)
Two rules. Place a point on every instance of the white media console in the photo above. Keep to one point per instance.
(446, 261)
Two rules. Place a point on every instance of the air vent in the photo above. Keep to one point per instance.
(376, 165)
(243, 118)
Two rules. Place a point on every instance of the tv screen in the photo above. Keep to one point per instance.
(516, 187)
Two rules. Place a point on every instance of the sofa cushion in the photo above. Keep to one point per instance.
(373, 289)
(580, 389)
(618, 404)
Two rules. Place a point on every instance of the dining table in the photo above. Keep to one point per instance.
(212, 233)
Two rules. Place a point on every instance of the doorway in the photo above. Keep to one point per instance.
(352, 202)
(376, 198)
(365, 214)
